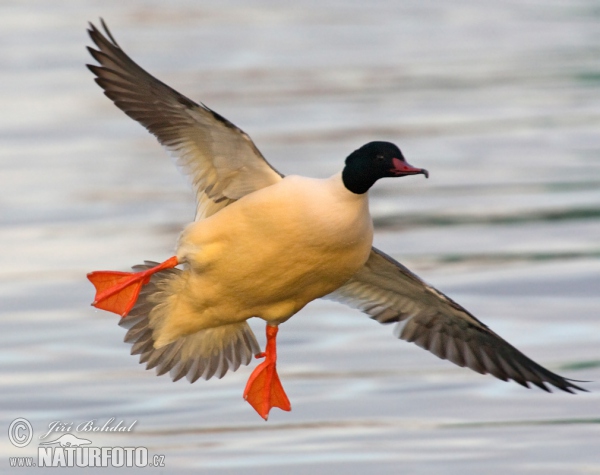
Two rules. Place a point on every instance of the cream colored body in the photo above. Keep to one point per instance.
(268, 254)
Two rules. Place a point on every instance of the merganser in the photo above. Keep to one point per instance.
(264, 245)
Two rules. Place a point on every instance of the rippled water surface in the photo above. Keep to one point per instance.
(499, 100)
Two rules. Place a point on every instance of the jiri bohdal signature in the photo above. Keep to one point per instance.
(89, 426)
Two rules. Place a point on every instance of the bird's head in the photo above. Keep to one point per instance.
(373, 161)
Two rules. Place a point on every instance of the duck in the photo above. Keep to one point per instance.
(264, 245)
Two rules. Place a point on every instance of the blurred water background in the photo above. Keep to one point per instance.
(500, 100)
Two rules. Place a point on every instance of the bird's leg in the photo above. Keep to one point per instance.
(264, 390)
(118, 291)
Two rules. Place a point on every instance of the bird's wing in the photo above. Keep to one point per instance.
(389, 292)
(222, 161)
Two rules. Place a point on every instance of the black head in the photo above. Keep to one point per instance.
(373, 161)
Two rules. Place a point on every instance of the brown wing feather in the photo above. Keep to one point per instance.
(389, 292)
(221, 159)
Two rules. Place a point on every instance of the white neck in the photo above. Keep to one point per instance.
(337, 184)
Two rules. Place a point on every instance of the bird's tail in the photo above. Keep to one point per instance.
(205, 353)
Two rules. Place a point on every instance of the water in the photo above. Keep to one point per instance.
(499, 100)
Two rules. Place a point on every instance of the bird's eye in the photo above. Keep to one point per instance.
(379, 158)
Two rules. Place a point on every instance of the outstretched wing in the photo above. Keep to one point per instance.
(389, 292)
(221, 159)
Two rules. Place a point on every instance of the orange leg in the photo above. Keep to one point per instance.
(118, 291)
(264, 390)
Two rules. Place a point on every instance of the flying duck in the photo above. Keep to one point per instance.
(264, 245)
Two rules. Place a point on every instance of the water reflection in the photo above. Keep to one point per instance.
(499, 101)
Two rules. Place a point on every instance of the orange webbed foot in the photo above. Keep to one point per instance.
(118, 291)
(264, 390)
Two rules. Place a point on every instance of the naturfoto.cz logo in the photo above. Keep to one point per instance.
(69, 450)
